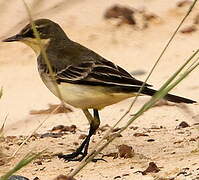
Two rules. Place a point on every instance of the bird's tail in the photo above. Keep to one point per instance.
(169, 97)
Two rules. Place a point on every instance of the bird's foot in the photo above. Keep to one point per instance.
(75, 156)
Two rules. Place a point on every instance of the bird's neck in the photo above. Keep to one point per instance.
(37, 45)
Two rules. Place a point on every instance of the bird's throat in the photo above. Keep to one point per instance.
(36, 45)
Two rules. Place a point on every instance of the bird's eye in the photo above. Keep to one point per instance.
(29, 33)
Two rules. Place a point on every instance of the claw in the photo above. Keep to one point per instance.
(72, 156)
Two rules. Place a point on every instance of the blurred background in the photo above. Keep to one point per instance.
(129, 33)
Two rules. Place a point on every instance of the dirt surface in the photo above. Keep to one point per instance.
(161, 146)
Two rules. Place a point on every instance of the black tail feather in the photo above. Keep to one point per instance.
(151, 92)
(169, 97)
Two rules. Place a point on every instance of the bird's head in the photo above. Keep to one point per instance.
(47, 31)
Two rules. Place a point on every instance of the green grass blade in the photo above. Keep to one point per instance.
(167, 86)
(24, 162)
(156, 63)
(179, 70)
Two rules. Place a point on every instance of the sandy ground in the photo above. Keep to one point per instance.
(174, 150)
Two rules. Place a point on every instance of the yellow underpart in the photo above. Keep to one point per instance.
(34, 44)
(86, 96)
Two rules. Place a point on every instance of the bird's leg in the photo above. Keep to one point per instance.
(83, 148)
(93, 127)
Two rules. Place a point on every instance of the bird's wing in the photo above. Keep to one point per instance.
(101, 72)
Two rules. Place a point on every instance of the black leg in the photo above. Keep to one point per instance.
(82, 150)
(93, 127)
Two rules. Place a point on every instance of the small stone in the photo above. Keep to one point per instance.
(152, 168)
(117, 177)
(134, 127)
(183, 124)
(189, 29)
(82, 136)
(125, 151)
(140, 134)
(76, 143)
(192, 139)
(2, 162)
(60, 143)
(62, 177)
(71, 128)
(150, 140)
(36, 178)
(178, 142)
(125, 14)
(58, 128)
(39, 162)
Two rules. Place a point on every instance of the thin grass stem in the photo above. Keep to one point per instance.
(24, 162)
(160, 94)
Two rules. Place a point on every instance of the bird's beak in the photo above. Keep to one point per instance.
(16, 37)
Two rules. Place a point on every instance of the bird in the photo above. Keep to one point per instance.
(85, 79)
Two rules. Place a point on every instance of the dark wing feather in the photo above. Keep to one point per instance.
(74, 73)
(97, 73)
